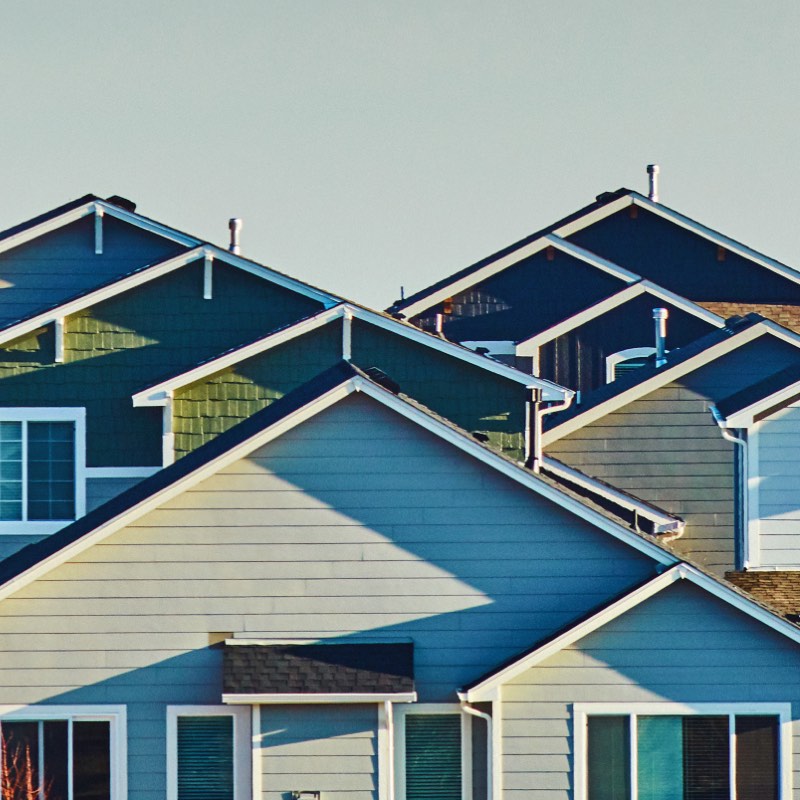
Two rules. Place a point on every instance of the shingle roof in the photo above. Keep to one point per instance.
(784, 314)
(758, 391)
(318, 669)
(734, 326)
(48, 215)
(778, 589)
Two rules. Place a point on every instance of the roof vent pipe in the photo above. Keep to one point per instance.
(660, 318)
(652, 173)
(235, 227)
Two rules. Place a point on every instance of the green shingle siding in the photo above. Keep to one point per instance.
(119, 346)
(207, 408)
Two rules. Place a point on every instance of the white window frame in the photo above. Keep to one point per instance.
(581, 711)
(406, 710)
(115, 715)
(242, 758)
(625, 355)
(46, 414)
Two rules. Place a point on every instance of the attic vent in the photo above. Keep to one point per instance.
(122, 202)
(382, 379)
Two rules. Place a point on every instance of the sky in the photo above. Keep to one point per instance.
(373, 145)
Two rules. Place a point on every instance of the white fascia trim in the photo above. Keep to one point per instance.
(487, 690)
(594, 216)
(661, 378)
(663, 522)
(550, 390)
(527, 347)
(186, 482)
(593, 259)
(745, 417)
(317, 699)
(49, 225)
(717, 238)
(146, 224)
(120, 472)
(516, 472)
(92, 298)
(159, 394)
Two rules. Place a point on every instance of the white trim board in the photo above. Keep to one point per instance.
(159, 394)
(487, 689)
(667, 374)
(305, 698)
(554, 240)
(405, 409)
(744, 418)
(528, 347)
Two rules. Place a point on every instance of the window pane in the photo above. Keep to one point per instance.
(659, 748)
(91, 761)
(756, 758)
(20, 761)
(10, 470)
(609, 762)
(51, 470)
(205, 758)
(55, 759)
(706, 758)
(433, 757)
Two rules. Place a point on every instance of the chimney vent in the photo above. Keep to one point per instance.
(652, 172)
(235, 227)
(660, 318)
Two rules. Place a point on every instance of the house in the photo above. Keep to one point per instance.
(337, 555)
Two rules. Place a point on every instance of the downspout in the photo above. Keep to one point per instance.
(741, 443)
(389, 714)
(536, 429)
(467, 709)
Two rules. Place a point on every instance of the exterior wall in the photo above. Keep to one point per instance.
(473, 398)
(123, 344)
(682, 645)
(775, 489)
(333, 749)
(99, 490)
(61, 264)
(357, 524)
(205, 409)
(667, 449)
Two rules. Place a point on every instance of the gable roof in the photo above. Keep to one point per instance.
(742, 409)
(604, 206)
(487, 686)
(158, 393)
(311, 398)
(644, 380)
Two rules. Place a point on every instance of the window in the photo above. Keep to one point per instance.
(618, 364)
(208, 753)
(662, 752)
(62, 753)
(432, 753)
(41, 467)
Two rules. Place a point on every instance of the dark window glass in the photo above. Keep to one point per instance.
(433, 757)
(56, 733)
(609, 763)
(20, 759)
(706, 758)
(756, 758)
(205, 758)
(51, 470)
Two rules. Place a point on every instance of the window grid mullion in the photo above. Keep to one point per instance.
(70, 759)
(633, 735)
(24, 433)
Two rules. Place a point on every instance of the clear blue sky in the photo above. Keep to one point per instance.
(373, 144)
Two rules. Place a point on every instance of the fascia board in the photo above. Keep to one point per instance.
(681, 302)
(551, 390)
(487, 690)
(139, 221)
(318, 699)
(159, 394)
(744, 418)
(328, 300)
(593, 259)
(516, 473)
(92, 298)
(656, 382)
(183, 484)
(717, 238)
(46, 227)
(594, 216)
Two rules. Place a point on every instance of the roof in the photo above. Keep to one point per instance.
(292, 409)
(486, 686)
(778, 589)
(54, 213)
(763, 390)
(640, 381)
(385, 668)
(785, 314)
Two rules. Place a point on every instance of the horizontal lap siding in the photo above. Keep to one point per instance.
(332, 749)
(295, 542)
(683, 645)
(778, 510)
(666, 449)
